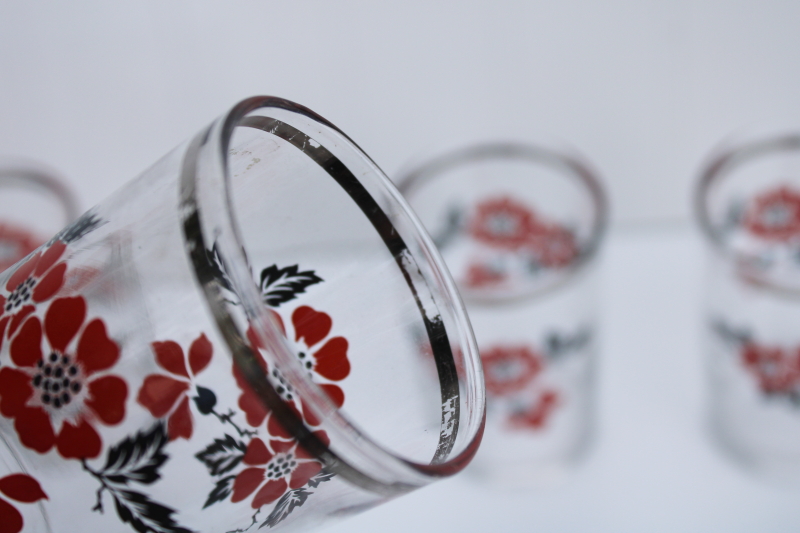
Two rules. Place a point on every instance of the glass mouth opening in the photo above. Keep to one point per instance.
(747, 204)
(512, 220)
(380, 270)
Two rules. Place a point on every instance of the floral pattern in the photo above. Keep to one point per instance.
(554, 246)
(274, 469)
(18, 487)
(514, 242)
(480, 275)
(503, 222)
(324, 361)
(509, 369)
(168, 395)
(15, 243)
(60, 388)
(535, 416)
(34, 281)
(775, 215)
(776, 369)
(519, 378)
(510, 374)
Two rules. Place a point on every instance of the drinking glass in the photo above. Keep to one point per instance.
(34, 204)
(232, 342)
(748, 206)
(519, 227)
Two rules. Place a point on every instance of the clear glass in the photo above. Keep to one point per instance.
(232, 341)
(35, 203)
(519, 227)
(748, 206)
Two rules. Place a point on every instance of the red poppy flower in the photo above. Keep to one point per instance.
(503, 222)
(777, 370)
(323, 361)
(554, 246)
(15, 243)
(60, 390)
(274, 469)
(168, 395)
(535, 416)
(509, 369)
(22, 488)
(775, 215)
(36, 280)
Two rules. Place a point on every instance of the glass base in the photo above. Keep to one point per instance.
(771, 467)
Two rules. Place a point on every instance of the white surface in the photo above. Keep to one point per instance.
(644, 88)
(653, 467)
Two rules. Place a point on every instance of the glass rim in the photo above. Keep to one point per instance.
(30, 174)
(207, 156)
(574, 163)
(721, 162)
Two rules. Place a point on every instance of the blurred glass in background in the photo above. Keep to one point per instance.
(519, 227)
(35, 204)
(748, 206)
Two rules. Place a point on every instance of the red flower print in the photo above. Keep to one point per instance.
(168, 395)
(36, 280)
(274, 469)
(503, 222)
(536, 416)
(15, 243)
(776, 369)
(21, 488)
(60, 389)
(775, 215)
(509, 369)
(554, 246)
(324, 361)
(479, 276)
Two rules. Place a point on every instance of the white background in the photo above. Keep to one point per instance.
(644, 89)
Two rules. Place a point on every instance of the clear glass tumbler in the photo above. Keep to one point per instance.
(519, 227)
(34, 204)
(232, 342)
(748, 206)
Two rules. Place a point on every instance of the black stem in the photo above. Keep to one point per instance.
(227, 419)
(248, 527)
(103, 486)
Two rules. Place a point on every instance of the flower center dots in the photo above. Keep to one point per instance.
(20, 295)
(57, 380)
(283, 388)
(281, 466)
(306, 362)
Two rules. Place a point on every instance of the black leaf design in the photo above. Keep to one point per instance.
(137, 458)
(87, 223)
(222, 455)
(731, 334)
(221, 490)
(320, 478)
(215, 268)
(279, 285)
(286, 504)
(145, 515)
(293, 499)
(205, 400)
(452, 227)
(557, 344)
